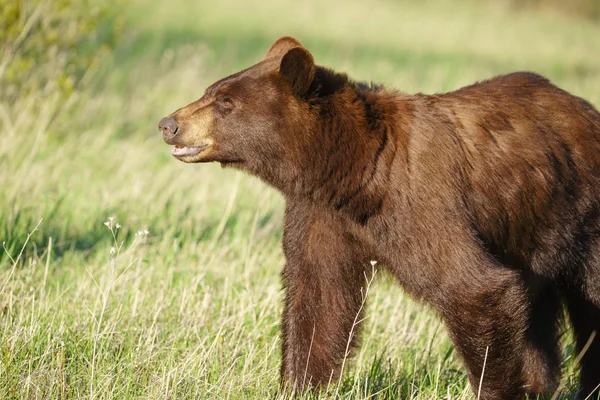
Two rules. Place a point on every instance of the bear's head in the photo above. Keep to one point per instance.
(259, 115)
(304, 129)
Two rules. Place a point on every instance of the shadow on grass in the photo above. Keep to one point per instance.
(384, 382)
(88, 237)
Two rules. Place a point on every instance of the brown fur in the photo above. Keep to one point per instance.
(483, 202)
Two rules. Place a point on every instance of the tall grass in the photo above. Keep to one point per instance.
(191, 309)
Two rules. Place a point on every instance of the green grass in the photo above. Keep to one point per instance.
(191, 310)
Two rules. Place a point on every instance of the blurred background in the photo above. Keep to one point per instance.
(182, 297)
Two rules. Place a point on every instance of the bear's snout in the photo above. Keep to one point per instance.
(168, 127)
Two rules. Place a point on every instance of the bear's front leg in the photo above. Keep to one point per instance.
(486, 316)
(324, 278)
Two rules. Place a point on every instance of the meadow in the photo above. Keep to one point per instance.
(126, 274)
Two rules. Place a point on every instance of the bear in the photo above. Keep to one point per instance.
(483, 203)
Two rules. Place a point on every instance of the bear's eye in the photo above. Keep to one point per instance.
(226, 102)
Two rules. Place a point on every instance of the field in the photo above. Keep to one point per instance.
(127, 274)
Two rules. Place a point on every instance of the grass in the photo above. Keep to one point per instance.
(191, 309)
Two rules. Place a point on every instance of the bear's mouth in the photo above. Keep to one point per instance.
(179, 151)
(192, 154)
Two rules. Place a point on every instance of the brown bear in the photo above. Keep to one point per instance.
(483, 202)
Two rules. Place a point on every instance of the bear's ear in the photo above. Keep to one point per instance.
(298, 69)
(282, 46)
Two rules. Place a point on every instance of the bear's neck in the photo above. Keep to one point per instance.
(347, 166)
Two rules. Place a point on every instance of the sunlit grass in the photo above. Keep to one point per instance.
(192, 309)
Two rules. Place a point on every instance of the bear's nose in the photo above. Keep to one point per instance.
(168, 126)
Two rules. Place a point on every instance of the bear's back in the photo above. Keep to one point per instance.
(517, 157)
(529, 160)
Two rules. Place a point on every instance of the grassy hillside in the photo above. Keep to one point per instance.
(181, 299)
